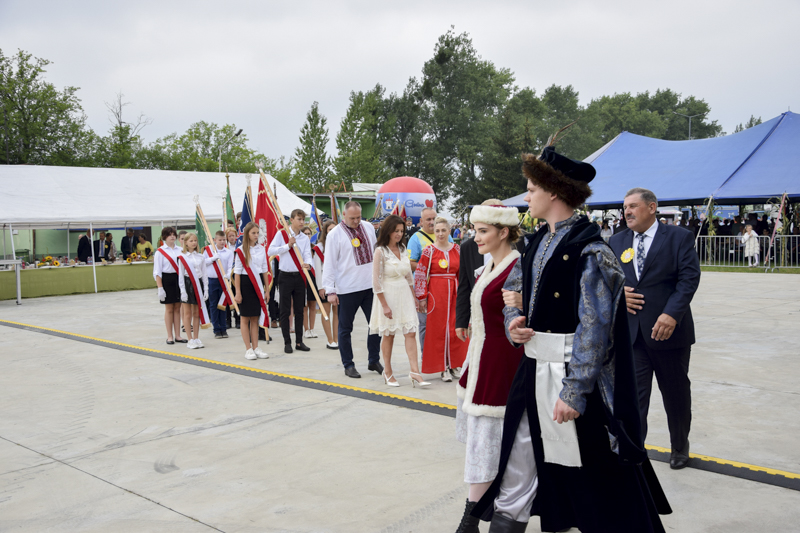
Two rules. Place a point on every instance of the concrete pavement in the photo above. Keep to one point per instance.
(98, 439)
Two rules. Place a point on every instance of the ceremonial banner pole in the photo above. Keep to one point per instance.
(774, 231)
(94, 259)
(286, 229)
(219, 263)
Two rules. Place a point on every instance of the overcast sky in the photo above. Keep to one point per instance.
(261, 64)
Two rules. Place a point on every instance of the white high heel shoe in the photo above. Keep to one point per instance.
(387, 378)
(414, 382)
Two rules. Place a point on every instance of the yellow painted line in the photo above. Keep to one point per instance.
(773, 471)
(231, 365)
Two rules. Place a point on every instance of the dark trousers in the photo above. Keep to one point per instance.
(215, 291)
(348, 307)
(671, 368)
(272, 306)
(293, 291)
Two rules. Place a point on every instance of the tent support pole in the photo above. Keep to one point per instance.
(94, 261)
(4, 241)
(13, 250)
(67, 242)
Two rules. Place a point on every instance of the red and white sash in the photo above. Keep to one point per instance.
(294, 255)
(198, 294)
(225, 299)
(170, 260)
(318, 251)
(263, 319)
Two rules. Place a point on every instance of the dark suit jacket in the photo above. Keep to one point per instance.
(127, 246)
(670, 277)
(84, 249)
(97, 250)
(469, 261)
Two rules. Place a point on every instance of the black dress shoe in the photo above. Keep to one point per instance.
(287, 348)
(302, 347)
(184, 341)
(678, 460)
(351, 372)
(377, 367)
(170, 342)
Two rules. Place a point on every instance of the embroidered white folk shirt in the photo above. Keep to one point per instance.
(342, 275)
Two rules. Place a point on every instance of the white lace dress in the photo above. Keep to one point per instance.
(392, 277)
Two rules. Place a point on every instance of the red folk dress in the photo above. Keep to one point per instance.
(436, 280)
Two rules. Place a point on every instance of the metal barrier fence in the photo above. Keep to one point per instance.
(730, 252)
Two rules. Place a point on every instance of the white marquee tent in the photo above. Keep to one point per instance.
(43, 197)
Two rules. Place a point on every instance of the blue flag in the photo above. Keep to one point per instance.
(247, 216)
(315, 226)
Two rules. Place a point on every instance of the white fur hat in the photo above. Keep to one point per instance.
(495, 214)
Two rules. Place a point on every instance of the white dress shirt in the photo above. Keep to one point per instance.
(197, 263)
(341, 274)
(318, 264)
(258, 262)
(160, 263)
(226, 256)
(279, 247)
(649, 235)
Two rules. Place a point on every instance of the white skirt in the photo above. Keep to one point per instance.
(483, 436)
(404, 310)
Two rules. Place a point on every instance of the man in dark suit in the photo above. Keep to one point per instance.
(128, 244)
(662, 273)
(85, 247)
(100, 246)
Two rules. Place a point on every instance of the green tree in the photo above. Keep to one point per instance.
(463, 94)
(624, 112)
(120, 148)
(667, 103)
(41, 125)
(312, 164)
(519, 125)
(403, 120)
(358, 143)
(749, 124)
(198, 150)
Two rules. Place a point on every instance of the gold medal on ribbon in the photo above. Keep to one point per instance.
(355, 242)
(627, 256)
(443, 263)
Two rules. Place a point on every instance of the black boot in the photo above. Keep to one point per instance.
(469, 524)
(501, 524)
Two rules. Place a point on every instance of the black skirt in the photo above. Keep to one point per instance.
(309, 293)
(250, 305)
(187, 282)
(169, 281)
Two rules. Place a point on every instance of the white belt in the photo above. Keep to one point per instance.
(552, 351)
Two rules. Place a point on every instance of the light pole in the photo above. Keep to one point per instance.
(223, 145)
(690, 120)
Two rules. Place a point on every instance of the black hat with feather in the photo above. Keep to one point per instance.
(559, 175)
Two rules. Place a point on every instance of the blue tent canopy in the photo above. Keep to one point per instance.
(758, 163)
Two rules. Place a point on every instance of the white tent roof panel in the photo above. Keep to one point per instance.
(38, 197)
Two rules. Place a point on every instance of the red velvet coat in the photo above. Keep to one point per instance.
(493, 361)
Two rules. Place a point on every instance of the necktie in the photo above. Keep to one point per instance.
(640, 254)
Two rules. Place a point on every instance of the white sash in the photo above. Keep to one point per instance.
(552, 351)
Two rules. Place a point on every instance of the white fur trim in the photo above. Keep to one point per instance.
(495, 214)
(478, 338)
